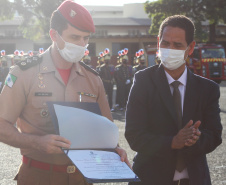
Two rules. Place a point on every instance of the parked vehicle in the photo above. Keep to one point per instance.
(208, 60)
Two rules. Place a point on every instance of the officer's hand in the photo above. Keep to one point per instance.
(123, 155)
(195, 137)
(182, 136)
(51, 143)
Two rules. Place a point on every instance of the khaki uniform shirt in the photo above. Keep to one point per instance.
(25, 101)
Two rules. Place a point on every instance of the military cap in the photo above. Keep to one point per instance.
(77, 15)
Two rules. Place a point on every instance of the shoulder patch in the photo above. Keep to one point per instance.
(10, 80)
(29, 62)
(89, 68)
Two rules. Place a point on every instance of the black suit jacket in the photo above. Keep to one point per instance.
(151, 125)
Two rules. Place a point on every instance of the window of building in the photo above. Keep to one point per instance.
(9, 48)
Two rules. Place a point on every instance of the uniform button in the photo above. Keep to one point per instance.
(44, 113)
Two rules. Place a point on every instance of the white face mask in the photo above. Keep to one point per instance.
(171, 58)
(71, 52)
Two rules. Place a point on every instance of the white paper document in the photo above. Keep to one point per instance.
(91, 135)
(100, 164)
(86, 130)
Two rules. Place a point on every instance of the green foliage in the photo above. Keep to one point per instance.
(6, 10)
(157, 18)
(36, 15)
(198, 10)
(200, 35)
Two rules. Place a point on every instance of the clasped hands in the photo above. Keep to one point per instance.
(187, 136)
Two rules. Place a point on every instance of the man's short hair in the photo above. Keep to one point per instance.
(182, 22)
(58, 22)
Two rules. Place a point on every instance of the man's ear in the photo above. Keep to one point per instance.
(191, 48)
(53, 35)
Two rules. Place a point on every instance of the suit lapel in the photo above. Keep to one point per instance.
(161, 82)
(190, 98)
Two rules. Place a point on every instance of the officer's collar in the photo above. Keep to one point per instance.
(48, 65)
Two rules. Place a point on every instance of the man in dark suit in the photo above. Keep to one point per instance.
(173, 127)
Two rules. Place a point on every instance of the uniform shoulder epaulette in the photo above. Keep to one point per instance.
(102, 65)
(118, 66)
(29, 62)
(89, 68)
(135, 66)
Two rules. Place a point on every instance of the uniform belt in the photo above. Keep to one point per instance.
(47, 166)
(181, 182)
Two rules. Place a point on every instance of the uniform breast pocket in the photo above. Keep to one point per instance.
(40, 115)
(40, 106)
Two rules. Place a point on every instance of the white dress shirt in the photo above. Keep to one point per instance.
(182, 88)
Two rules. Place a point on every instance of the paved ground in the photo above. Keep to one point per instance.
(10, 157)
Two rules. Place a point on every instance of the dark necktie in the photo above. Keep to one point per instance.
(180, 165)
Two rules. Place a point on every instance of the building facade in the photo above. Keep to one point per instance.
(117, 27)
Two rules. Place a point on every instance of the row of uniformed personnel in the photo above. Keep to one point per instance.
(121, 75)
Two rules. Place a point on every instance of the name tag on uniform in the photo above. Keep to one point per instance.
(87, 94)
(43, 94)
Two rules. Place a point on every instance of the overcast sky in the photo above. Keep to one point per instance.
(108, 2)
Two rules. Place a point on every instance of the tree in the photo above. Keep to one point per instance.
(213, 11)
(36, 15)
(6, 10)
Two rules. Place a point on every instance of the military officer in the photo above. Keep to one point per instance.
(140, 60)
(87, 59)
(16, 57)
(107, 75)
(100, 61)
(3, 57)
(56, 75)
(4, 69)
(115, 73)
(124, 80)
(22, 57)
(157, 59)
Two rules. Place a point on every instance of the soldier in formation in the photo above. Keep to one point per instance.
(140, 61)
(123, 77)
(87, 59)
(4, 69)
(107, 75)
(100, 61)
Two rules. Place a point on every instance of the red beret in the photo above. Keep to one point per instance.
(77, 15)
